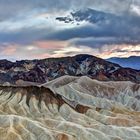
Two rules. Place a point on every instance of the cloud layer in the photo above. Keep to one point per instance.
(29, 29)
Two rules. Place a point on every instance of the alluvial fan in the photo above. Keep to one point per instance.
(71, 108)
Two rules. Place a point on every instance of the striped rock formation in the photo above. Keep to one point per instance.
(70, 108)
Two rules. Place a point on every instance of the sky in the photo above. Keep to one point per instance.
(37, 29)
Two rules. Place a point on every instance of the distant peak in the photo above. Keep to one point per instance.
(84, 55)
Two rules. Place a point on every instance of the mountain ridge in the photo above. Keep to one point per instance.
(129, 62)
(44, 70)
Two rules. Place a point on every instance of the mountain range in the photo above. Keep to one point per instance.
(41, 71)
(130, 62)
(70, 98)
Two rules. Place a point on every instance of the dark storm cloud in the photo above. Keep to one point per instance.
(109, 30)
(122, 26)
(101, 41)
(25, 36)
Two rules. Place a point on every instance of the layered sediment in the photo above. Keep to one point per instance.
(71, 108)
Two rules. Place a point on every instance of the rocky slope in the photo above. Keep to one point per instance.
(41, 71)
(70, 108)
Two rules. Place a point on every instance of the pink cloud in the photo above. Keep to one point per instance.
(51, 44)
(41, 56)
(46, 49)
(9, 50)
(120, 51)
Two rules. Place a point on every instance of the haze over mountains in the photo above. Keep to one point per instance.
(131, 62)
